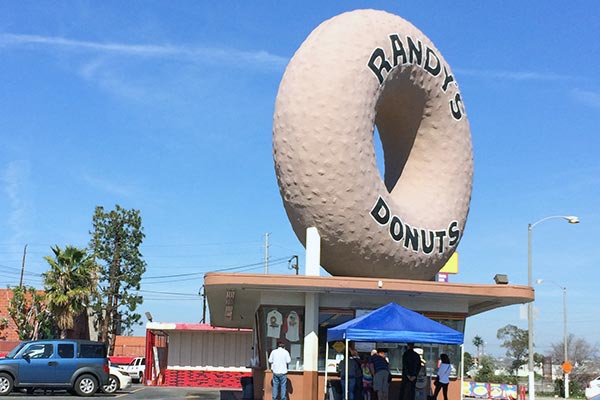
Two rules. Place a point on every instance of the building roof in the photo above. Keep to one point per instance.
(178, 326)
(234, 298)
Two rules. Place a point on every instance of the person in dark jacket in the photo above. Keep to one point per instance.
(354, 376)
(411, 364)
(381, 374)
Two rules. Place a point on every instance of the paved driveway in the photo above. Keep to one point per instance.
(138, 392)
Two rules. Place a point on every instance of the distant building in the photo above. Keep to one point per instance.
(9, 335)
(180, 354)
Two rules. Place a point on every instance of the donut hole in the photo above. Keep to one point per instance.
(399, 113)
(379, 158)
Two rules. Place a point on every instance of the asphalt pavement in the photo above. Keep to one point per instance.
(138, 392)
(142, 393)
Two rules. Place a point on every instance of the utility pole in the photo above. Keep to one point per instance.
(293, 263)
(23, 267)
(267, 253)
(202, 292)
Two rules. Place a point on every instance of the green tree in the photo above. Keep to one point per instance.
(516, 342)
(4, 324)
(487, 368)
(28, 311)
(468, 363)
(69, 285)
(487, 372)
(116, 238)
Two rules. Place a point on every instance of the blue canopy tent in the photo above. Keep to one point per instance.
(391, 323)
(395, 324)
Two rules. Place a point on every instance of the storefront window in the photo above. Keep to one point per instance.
(329, 318)
(430, 353)
(285, 324)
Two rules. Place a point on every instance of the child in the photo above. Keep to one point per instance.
(367, 379)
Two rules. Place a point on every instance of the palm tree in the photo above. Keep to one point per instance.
(69, 284)
(478, 343)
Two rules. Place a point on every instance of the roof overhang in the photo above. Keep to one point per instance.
(177, 326)
(234, 298)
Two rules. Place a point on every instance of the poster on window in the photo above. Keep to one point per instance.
(292, 327)
(274, 322)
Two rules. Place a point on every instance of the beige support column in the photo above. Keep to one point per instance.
(313, 252)
(311, 316)
(311, 345)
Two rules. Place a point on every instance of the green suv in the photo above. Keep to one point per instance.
(79, 366)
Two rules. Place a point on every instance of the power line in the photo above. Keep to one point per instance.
(170, 293)
(170, 276)
(261, 263)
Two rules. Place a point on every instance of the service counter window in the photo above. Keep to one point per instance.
(430, 353)
(329, 318)
(285, 324)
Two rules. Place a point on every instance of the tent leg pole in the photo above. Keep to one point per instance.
(347, 362)
(326, 362)
(462, 369)
(430, 376)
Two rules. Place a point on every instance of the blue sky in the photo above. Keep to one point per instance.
(167, 107)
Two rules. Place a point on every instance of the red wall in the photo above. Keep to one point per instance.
(208, 379)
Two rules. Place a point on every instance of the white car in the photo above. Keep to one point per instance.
(592, 391)
(136, 368)
(118, 379)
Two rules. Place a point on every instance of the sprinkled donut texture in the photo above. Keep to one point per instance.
(355, 71)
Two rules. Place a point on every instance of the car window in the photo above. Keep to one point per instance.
(39, 350)
(66, 350)
(92, 350)
(143, 361)
(14, 351)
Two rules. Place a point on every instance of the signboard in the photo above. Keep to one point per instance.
(567, 367)
(338, 346)
(451, 266)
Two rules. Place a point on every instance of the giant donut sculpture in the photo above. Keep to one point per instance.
(357, 71)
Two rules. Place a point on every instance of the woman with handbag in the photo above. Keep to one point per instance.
(443, 376)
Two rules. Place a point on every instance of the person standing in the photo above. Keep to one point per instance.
(411, 364)
(381, 374)
(443, 376)
(354, 376)
(279, 360)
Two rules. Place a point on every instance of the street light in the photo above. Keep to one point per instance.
(564, 289)
(571, 220)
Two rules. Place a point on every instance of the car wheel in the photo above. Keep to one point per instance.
(86, 385)
(112, 385)
(6, 384)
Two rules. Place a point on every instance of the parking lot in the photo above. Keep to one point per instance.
(143, 392)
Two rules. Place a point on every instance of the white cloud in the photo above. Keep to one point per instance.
(15, 179)
(107, 186)
(258, 58)
(514, 75)
(146, 73)
(117, 82)
(589, 98)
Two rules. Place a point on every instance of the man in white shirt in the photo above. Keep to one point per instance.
(279, 359)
